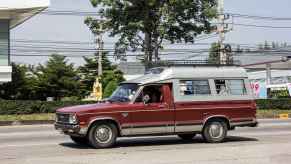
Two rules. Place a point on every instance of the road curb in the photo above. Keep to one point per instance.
(28, 122)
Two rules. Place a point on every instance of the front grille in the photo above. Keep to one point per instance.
(63, 118)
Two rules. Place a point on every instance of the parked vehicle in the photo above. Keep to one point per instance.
(179, 100)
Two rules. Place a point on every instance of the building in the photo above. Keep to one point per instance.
(12, 14)
(268, 71)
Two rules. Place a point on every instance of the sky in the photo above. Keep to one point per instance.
(72, 28)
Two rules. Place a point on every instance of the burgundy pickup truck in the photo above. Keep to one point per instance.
(182, 101)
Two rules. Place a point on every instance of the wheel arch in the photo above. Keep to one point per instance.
(105, 119)
(217, 117)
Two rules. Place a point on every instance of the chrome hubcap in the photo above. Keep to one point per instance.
(103, 134)
(216, 130)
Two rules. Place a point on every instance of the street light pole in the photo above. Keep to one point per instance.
(100, 48)
(221, 31)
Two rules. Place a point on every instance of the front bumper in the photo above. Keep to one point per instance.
(70, 129)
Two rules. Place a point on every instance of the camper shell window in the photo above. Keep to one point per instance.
(230, 87)
(194, 87)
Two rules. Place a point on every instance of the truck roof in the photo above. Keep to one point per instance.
(162, 74)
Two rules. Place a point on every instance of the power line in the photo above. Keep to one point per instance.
(199, 38)
(259, 17)
(40, 42)
(95, 13)
(171, 52)
(50, 41)
(262, 26)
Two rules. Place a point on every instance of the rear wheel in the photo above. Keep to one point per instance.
(79, 140)
(187, 136)
(102, 135)
(215, 131)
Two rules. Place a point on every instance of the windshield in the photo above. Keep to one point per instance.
(124, 93)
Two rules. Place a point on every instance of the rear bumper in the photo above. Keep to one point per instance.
(246, 123)
(250, 124)
(70, 129)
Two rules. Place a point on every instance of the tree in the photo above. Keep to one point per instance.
(89, 73)
(57, 79)
(214, 57)
(14, 89)
(145, 24)
(110, 88)
(110, 80)
(214, 53)
(229, 54)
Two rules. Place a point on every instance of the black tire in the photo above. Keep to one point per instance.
(219, 135)
(187, 137)
(79, 140)
(102, 127)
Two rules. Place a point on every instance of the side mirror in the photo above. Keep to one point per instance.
(146, 99)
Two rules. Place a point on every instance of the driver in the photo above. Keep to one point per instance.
(131, 95)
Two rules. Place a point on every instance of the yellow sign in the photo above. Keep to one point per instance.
(284, 116)
(97, 90)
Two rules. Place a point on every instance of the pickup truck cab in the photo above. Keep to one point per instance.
(182, 101)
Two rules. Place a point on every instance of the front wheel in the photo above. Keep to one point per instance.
(215, 131)
(187, 136)
(102, 135)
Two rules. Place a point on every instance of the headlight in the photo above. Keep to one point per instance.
(73, 119)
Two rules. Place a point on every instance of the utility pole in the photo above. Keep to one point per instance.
(97, 87)
(100, 47)
(221, 31)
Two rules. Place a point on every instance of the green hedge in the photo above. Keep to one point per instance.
(29, 107)
(280, 104)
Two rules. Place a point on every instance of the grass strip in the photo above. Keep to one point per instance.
(28, 117)
(270, 113)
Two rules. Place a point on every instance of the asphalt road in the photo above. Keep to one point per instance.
(270, 143)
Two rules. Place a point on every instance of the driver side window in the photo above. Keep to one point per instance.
(154, 92)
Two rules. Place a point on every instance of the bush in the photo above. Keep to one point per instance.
(280, 94)
(279, 104)
(10, 107)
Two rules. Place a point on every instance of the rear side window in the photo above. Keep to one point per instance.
(194, 87)
(230, 87)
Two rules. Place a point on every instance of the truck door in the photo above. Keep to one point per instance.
(155, 116)
(189, 113)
